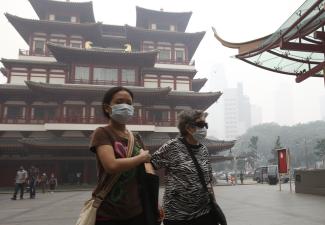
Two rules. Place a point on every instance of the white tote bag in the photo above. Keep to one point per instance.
(88, 214)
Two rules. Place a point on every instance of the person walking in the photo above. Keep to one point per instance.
(33, 173)
(241, 177)
(122, 205)
(20, 180)
(185, 200)
(43, 182)
(53, 183)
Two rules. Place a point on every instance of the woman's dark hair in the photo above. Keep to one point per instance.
(188, 117)
(109, 96)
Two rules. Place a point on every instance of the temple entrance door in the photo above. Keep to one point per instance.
(70, 171)
(74, 114)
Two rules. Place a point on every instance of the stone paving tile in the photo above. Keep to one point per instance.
(258, 204)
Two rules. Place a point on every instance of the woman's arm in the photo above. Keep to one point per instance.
(113, 165)
(149, 168)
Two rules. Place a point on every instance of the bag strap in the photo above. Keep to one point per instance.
(198, 168)
(215, 207)
(147, 166)
(107, 188)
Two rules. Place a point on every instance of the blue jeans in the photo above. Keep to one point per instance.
(17, 188)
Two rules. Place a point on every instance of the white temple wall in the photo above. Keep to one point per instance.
(18, 79)
(57, 80)
(38, 75)
(57, 76)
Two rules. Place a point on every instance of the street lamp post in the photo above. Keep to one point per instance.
(306, 155)
(235, 169)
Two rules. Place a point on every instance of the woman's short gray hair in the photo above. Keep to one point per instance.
(187, 117)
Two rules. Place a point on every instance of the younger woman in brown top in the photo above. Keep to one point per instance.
(122, 205)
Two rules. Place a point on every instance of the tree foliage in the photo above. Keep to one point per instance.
(271, 135)
(251, 155)
(320, 147)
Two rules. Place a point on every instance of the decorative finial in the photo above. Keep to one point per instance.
(88, 44)
(128, 48)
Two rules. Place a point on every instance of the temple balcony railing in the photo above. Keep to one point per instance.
(14, 120)
(24, 52)
(173, 61)
(88, 120)
(105, 82)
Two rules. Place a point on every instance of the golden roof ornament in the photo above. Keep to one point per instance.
(128, 48)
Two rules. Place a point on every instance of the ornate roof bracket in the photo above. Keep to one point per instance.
(302, 47)
(319, 35)
(310, 73)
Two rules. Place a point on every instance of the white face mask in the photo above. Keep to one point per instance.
(200, 134)
(122, 113)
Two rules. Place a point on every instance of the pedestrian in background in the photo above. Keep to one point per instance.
(20, 181)
(53, 183)
(241, 177)
(32, 180)
(43, 182)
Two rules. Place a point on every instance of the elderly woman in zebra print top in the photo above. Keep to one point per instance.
(185, 201)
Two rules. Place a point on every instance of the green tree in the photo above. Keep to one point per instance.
(252, 154)
(277, 145)
(320, 147)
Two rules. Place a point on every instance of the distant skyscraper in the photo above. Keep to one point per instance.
(216, 81)
(322, 106)
(284, 114)
(237, 112)
(256, 115)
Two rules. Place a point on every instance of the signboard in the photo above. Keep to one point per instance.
(283, 160)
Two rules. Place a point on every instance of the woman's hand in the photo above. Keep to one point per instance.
(161, 214)
(145, 155)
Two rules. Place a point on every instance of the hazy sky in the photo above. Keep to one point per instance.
(235, 21)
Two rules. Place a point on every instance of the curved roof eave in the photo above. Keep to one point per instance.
(197, 84)
(168, 71)
(64, 53)
(40, 6)
(192, 40)
(98, 89)
(182, 17)
(274, 70)
(21, 25)
(294, 27)
(7, 62)
(3, 71)
(198, 100)
(243, 47)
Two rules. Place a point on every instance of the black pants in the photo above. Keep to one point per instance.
(207, 219)
(32, 190)
(137, 220)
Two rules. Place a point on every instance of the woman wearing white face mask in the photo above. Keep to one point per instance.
(118, 163)
(185, 200)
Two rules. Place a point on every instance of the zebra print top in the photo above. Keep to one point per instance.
(184, 197)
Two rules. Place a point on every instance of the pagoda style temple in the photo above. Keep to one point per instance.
(52, 100)
(296, 48)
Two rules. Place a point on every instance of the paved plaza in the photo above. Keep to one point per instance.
(258, 204)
